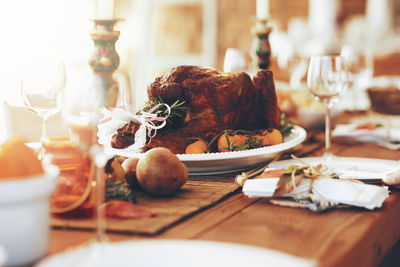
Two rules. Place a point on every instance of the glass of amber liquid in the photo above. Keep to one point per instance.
(74, 195)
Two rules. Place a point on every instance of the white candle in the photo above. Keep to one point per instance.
(105, 9)
(262, 8)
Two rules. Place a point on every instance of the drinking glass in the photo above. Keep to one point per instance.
(42, 90)
(326, 80)
(360, 67)
(82, 111)
(297, 69)
(234, 61)
(294, 64)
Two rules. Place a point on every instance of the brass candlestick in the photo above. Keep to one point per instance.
(104, 59)
(261, 45)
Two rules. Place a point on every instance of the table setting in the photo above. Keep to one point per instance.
(328, 192)
(231, 167)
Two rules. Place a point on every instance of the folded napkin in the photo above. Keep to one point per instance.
(361, 175)
(351, 193)
(260, 187)
(391, 177)
(328, 190)
(357, 132)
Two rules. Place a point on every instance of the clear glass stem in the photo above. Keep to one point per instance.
(388, 129)
(328, 149)
(100, 194)
(43, 138)
(100, 160)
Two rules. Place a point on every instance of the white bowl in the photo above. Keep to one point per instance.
(25, 216)
(312, 118)
(302, 108)
(2, 257)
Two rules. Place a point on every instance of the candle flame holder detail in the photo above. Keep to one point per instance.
(261, 46)
(104, 59)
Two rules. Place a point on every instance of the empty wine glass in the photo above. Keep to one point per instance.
(82, 111)
(297, 68)
(42, 90)
(326, 81)
(292, 62)
(360, 67)
(234, 61)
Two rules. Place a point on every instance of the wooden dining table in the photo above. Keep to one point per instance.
(340, 237)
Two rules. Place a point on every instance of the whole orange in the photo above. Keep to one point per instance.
(18, 160)
(228, 142)
(197, 147)
(274, 136)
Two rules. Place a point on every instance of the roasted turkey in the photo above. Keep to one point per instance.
(216, 101)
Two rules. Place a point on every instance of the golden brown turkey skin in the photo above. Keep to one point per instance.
(216, 101)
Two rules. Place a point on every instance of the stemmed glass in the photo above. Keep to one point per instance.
(360, 67)
(297, 68)
(326, 80)
(234, 61)
(294, 64)
(85, 102)
(42, 90)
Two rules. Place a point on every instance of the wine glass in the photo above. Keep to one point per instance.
(296, 66)
(42, 90)
(234, 61)
(290, 61)
(326, 80)
(360, 67)
(82, 111)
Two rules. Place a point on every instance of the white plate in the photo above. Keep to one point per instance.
(222, 162)
(340, 164)
(173, 253)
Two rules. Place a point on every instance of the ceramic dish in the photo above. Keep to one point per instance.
(222, 162)
(25, 216)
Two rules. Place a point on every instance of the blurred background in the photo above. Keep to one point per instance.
(157, 35)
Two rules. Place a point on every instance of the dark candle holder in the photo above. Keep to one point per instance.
(261, 45)
(104, 59)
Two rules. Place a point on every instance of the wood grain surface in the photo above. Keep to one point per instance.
(340, 237)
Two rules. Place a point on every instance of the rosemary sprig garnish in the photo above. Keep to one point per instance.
(253, 142)
(178, 109)
(231, 145)
(286, 125)
(250, 142)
